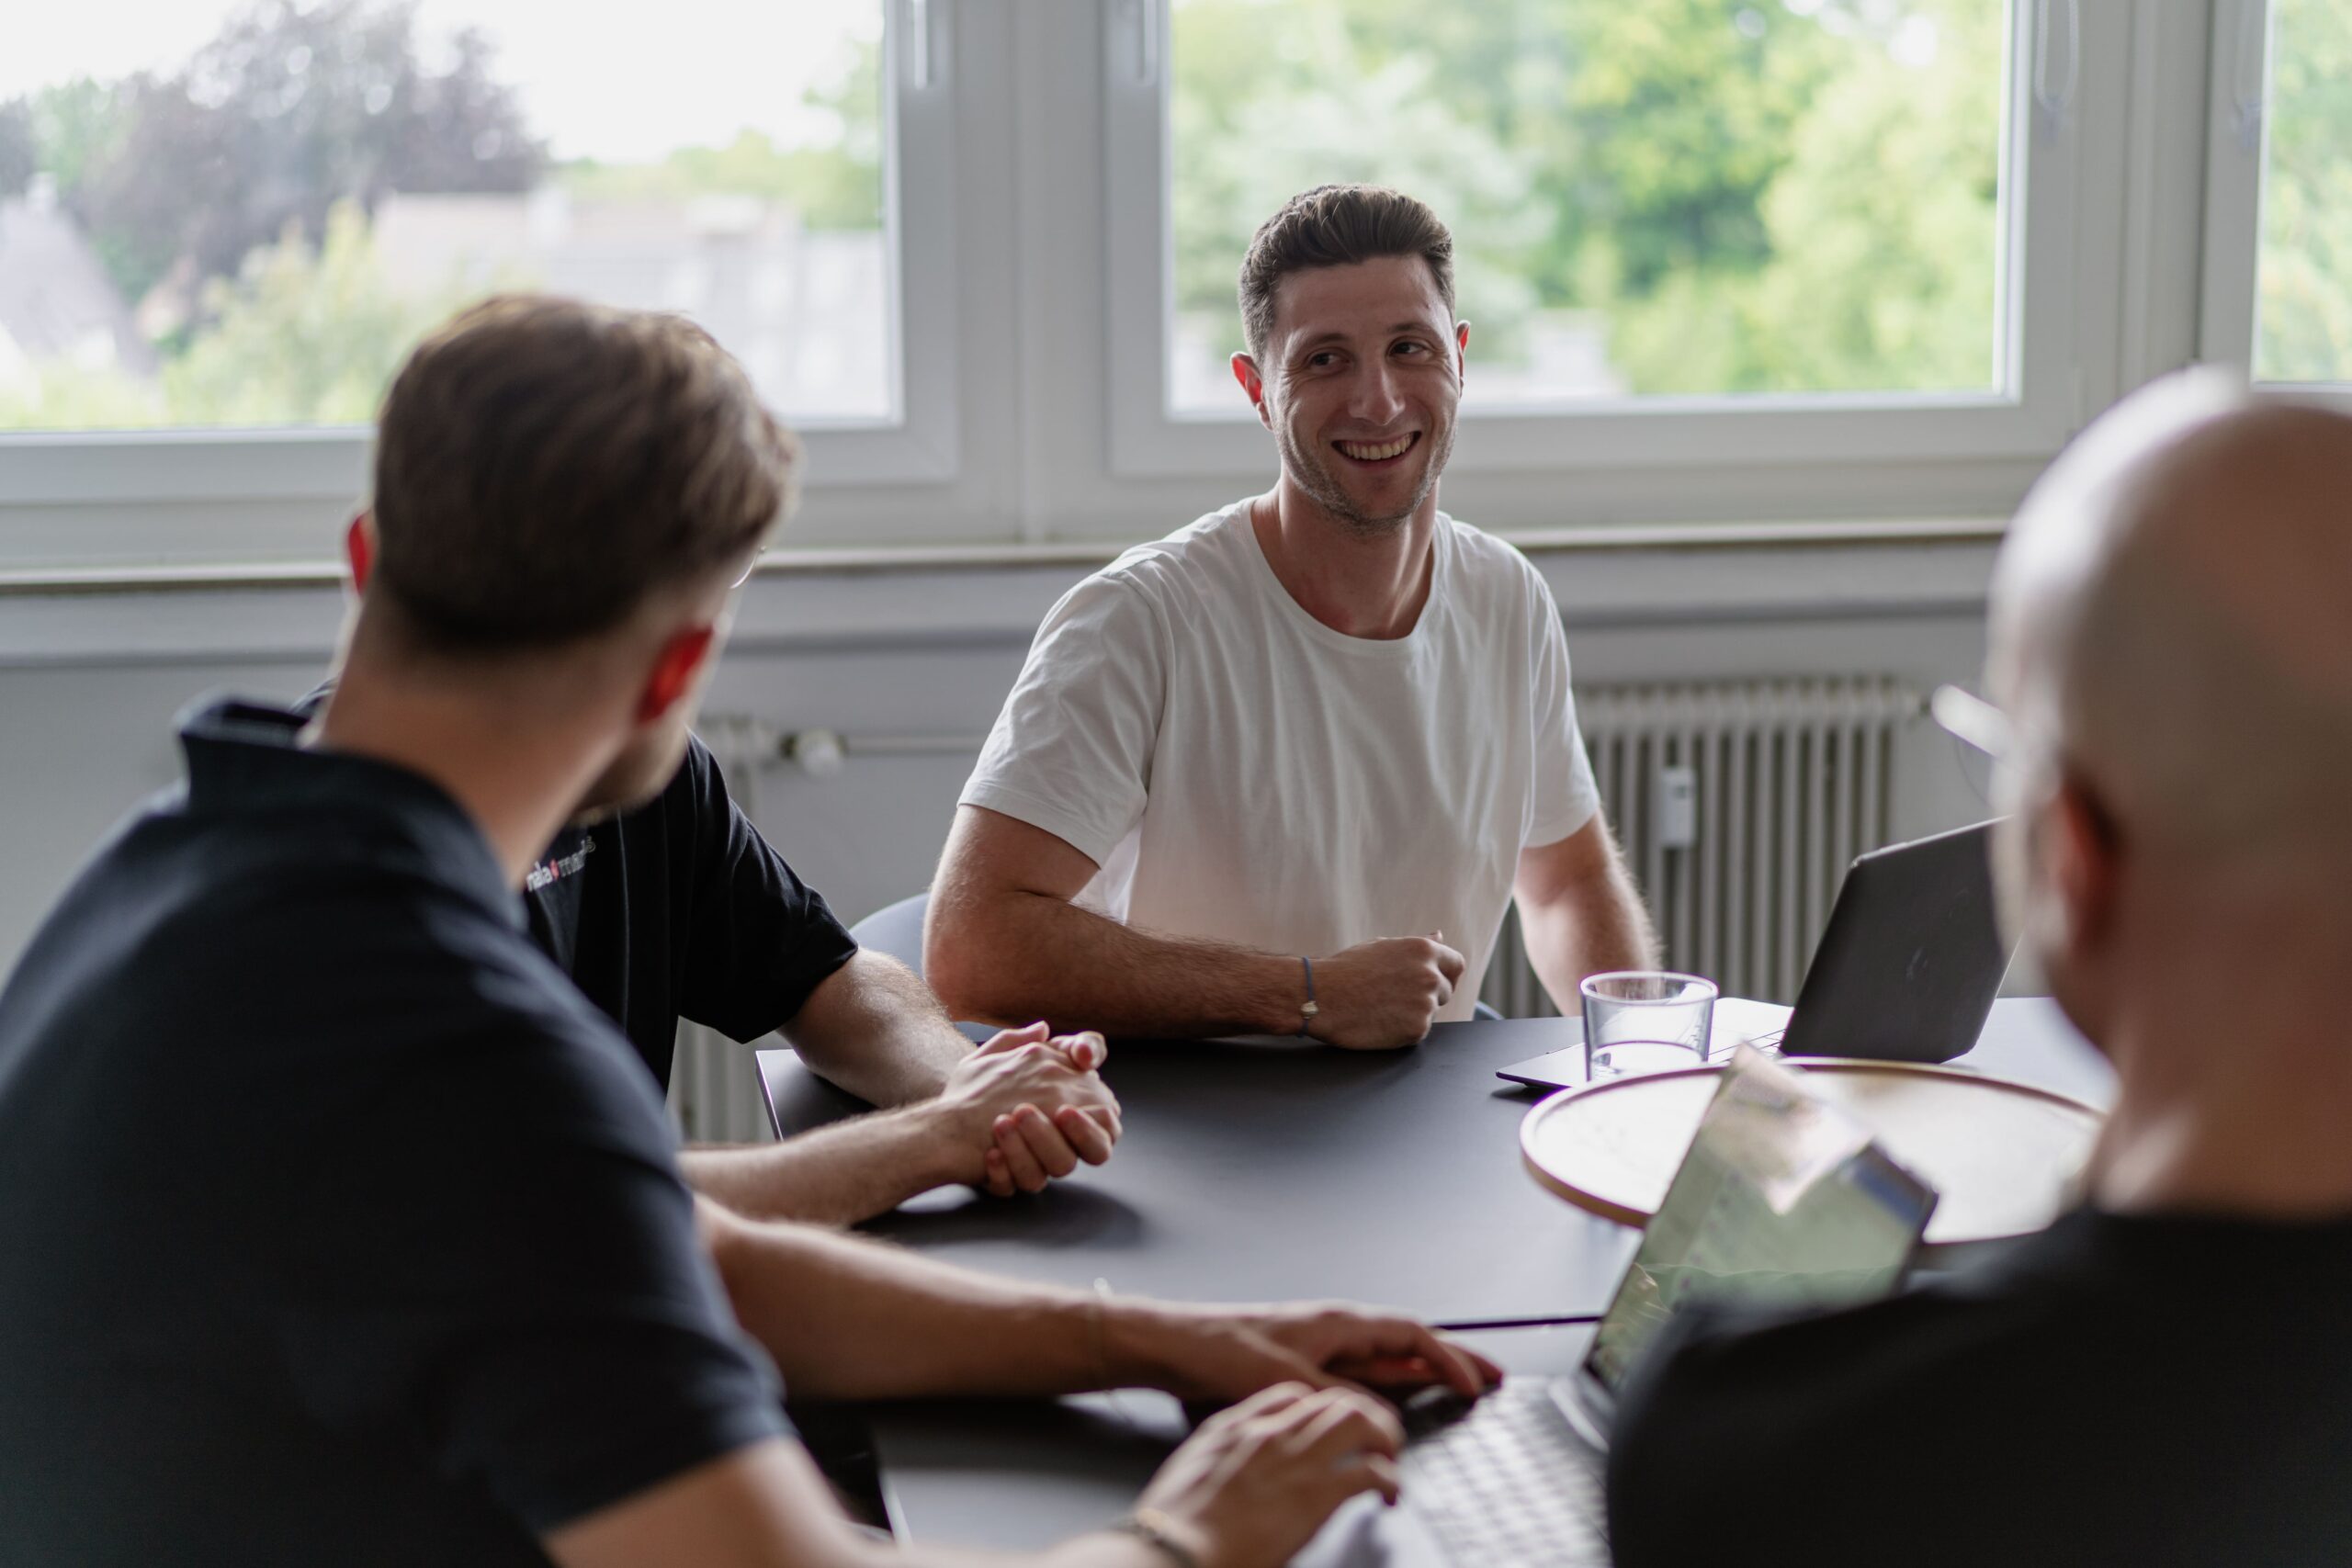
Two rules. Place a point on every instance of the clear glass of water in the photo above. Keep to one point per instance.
(1645, 1021)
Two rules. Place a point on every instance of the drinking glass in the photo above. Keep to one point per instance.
(1645, 1021)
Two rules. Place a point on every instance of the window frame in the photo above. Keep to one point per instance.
(923, 445)
(2236, 148)
(2237, 166)
(2036, 355)
(1016, 229)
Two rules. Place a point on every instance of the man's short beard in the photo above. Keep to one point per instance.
(635, 778)
(1324, 489)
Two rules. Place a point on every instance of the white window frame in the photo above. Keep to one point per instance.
(1032, 281)
(2237, 163)
(2236, 148)
(2036, 357)
(74, 468)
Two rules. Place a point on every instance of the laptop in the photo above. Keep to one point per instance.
(1784, 1201)
(1906, 970)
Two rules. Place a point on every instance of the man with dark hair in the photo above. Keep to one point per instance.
(1281, 771)
(678, 907)
(340, 1228)
(2163, 1376)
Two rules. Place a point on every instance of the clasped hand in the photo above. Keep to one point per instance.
(1032, 1106)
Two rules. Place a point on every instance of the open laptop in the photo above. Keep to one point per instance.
(1905, 972)
(1782, 1202)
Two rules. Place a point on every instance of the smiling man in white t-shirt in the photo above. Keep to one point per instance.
(1281, 771)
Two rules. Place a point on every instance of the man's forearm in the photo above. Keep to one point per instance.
(847, 1318)
(835, 1175)
(1589, 932)
(1046, 957)
(874, 1029)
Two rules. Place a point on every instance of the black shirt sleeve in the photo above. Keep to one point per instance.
(498, 1258)
(754, 941)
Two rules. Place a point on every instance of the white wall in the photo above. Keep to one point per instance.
(89, 683)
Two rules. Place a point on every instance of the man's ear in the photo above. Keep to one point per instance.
(359, 548)
(675, 670)
(2082, 855)
(1461, 350)
(1245, 370)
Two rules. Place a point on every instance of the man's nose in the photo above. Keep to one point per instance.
(1374, 397)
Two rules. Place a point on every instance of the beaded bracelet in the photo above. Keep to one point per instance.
(1153, 1529)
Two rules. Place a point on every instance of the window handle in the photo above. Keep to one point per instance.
(923, 63)
(1143, 21)
(2249, 74)
(2054, 93)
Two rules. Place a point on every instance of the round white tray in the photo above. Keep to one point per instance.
(2003, 1155)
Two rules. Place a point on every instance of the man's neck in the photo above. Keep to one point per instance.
(518, 781)
(2241, 1114)
(1370, 587)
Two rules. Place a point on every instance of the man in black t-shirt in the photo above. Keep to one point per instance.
(2163, 1377)
(337, 1227)
(679, 907)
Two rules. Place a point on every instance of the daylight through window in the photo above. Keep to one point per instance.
(1697, 196)
(215, 215)
(2304, 293)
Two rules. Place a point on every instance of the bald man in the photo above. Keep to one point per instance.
(2165, 1375)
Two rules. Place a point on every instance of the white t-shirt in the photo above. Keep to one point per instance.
(1239, 769)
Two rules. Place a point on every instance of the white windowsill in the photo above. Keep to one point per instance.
(837, 600)
(213, 578)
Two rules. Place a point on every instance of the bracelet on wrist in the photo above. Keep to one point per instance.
(1307, 1010)
(1155, 1530)
(1098, 1333)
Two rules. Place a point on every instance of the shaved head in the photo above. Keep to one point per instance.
(2172, 636)
(2172, 623)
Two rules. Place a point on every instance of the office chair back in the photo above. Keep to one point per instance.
(896, 930)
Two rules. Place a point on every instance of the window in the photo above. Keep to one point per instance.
(1725, 260)
(245, 216)
(2277, 262)
(235, 217)
(1707, 231)
(1706, 197)
(2304, 271)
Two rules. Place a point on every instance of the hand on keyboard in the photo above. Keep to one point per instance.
(1430, 1411)
(1218, 1353)
(1255, 1482)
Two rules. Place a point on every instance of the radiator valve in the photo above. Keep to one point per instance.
(1677, 813)
(817, 752)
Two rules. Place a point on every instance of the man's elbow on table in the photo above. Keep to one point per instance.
(959, 962)
(983, 948)
(970, 960)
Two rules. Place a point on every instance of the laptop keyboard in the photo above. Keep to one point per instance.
(1508, 1483)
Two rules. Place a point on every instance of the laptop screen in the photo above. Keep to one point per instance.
(1782, 1202)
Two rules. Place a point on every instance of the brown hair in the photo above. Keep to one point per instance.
(1336, 226)
(543, 465)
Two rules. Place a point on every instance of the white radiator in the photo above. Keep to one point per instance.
(715, 1088)
(714, 1083)
(1739, 804)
